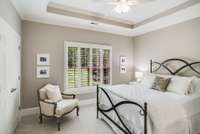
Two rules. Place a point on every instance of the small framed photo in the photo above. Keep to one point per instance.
(43, 59)
(43, 72)
(123, 69)
(123, 60)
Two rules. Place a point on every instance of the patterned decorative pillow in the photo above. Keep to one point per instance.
(161, 83)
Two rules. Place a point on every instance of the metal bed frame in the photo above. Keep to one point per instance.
(143, 108)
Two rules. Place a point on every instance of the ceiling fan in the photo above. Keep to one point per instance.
(123, 6)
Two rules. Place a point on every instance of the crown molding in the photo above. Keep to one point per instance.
(181, 16)
(87, 15)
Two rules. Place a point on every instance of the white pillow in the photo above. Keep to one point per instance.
(180, 85)
(196, 85)
(148, 80)
(53, 92)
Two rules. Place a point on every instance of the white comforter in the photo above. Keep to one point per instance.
(168, 113)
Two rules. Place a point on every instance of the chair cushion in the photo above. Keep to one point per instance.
(53, 92)
(65, 106)
(43, 94)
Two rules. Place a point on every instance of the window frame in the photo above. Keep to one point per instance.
(89, 89)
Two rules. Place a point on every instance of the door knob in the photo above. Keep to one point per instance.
(13, 90)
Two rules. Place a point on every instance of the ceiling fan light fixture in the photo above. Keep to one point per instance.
(122, 9)
(123, 6)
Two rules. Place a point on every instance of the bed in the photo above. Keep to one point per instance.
(137, 109)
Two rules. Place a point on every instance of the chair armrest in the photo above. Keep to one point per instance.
(68, 96)
(47, 107)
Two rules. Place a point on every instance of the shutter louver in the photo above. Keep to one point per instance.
(87, 66)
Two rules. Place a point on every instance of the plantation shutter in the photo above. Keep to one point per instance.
(87, 66)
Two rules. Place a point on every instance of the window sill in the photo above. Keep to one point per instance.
(81, 90)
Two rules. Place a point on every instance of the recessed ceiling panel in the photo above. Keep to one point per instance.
(138, 13)
(145, 17)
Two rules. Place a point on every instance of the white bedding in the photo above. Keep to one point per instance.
(168, 113)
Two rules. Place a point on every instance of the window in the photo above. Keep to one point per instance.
(86, 65)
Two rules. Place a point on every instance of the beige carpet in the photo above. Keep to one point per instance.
(86, 123)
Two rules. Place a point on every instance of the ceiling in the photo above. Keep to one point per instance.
(146, 17)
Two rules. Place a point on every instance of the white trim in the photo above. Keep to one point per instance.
(85, 26)
(86, 45)
(29, 111)
(35, 110)
(81, 90)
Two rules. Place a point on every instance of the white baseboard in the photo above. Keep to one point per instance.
(29, 111)
(35, 110)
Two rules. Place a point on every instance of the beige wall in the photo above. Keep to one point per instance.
(8, 13)
(43, 38)
(181, 40)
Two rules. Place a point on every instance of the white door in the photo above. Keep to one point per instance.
(2, 84)
(12, 80)
(9, 83)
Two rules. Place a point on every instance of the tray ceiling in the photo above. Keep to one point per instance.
(34, 10)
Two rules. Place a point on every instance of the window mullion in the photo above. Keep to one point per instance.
(78, 63)
(101, 66)
(90, 67)
(110, 62)
(66, 66)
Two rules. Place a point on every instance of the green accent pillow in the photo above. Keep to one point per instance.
(161, 83)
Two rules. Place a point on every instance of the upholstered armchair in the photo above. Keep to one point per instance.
(56, 109)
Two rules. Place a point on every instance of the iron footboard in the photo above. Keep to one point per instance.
(123, 127)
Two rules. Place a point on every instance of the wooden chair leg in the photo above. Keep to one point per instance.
(41, 120)
(77, 111)
(97, 114)
(58, 123)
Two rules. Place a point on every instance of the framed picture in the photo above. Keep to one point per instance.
(123, 64)
(123, 69)
(123, 60)
(43, 72)
(43, 59)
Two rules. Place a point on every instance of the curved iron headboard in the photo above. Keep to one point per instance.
(174, 72)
